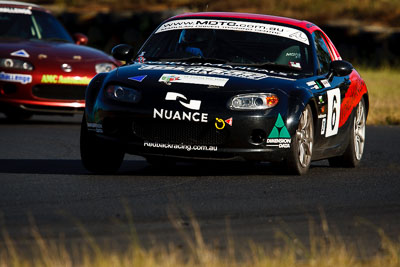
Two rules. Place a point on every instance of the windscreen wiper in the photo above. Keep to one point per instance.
(196, 59)
(272, 65)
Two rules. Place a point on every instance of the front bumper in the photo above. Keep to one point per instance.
(139, 134)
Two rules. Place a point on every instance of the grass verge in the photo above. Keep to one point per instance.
(323, 250)
(384, 95)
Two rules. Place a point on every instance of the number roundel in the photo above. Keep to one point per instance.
(332, 125)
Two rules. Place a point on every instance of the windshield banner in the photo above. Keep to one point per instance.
(12, 10)
(231, 25)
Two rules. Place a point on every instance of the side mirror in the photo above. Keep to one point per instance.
(123, 52)
(80, 39)
(340, 68)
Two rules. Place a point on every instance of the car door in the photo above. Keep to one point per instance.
(329, 93)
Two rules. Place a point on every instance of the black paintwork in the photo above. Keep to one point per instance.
(120, 120)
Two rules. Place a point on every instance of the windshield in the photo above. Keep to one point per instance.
(230, 42)
(26, 24)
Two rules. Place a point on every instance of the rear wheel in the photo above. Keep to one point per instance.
(355, 149)
(99, 156)
(299, 158)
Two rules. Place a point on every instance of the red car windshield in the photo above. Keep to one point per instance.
(230, 42)
(26, 24)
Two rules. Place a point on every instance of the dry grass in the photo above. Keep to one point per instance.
(384, 94)
(325, 250)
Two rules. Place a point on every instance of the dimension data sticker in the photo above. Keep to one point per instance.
(279, 136)
(193, 79)
(231, 25)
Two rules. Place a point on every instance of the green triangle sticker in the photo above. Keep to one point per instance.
(279, 122)
(274, 133)
(284, 133)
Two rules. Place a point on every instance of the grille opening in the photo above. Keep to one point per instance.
(60, 92)
(189, 133)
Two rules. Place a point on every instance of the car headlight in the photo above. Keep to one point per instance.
(253, 101)
(123, 94)
(17, 64)
(104, 67)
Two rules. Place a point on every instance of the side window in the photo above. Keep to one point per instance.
(323, 55)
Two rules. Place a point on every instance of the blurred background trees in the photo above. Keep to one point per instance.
(365, 31)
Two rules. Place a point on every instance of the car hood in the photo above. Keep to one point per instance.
(58, 51)
(197, 76)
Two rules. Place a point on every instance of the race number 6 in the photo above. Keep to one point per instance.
(332, 124)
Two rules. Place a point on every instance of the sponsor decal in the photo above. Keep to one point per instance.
(193, 79)
(204, 70)
(14, 77)
(219, 124)
(193, 104)
(312, 84)
(293, 54)
(319, 84)
(325, 83)
(332, 122)
(279, 136)
(178, 115)
(141, 59)
(229, 121)
(137, 78)
(295, 64)
(20, 53)
(60, 79)
(321, 100)
(180, 146)
(13, 10)
(245, 26)
(323, 126)
(96, 127)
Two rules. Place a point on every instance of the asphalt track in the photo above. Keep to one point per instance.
(44, 185)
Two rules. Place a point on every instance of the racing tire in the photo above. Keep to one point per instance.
(99, 156)
(299, 158)
(354, 151)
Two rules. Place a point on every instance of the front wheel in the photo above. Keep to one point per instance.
(99, 156)
(355, 149)
(299, 158)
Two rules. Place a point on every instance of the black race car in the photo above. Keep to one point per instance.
(227, 86)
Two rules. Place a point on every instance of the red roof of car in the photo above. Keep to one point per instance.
(308, 26)
(17, 4)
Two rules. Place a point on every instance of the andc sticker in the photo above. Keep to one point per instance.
(332, 122)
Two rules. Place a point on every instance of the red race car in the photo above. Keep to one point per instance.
(42, 68)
